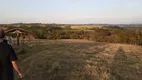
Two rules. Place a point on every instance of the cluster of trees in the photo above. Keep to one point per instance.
(118, 36)
(109, 34)
(98, 35)
(57, 34)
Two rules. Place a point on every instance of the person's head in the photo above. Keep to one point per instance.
(2, 34)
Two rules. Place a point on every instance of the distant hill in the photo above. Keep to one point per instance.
(38, 24)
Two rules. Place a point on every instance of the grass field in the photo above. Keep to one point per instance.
(81, 60)
(83, 27)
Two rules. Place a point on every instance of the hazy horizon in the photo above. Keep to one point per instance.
(71, 11)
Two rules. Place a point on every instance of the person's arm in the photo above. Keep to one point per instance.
(15, 66)
(13, 58)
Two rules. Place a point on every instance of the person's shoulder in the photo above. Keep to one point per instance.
(5, 41)
(6, 44)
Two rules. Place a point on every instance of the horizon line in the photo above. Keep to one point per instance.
(69, 23)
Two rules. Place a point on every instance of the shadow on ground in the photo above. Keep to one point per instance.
(125, 67)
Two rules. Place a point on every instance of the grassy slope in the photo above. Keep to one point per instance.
(81, 60)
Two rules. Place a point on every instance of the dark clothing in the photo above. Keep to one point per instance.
(7, 54)
(5, 41)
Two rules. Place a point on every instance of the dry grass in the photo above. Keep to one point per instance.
(81, 60)
(85, 27)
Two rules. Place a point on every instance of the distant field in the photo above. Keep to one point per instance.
(81, 60)
(84, 27)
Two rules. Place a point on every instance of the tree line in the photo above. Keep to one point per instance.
(108, 34)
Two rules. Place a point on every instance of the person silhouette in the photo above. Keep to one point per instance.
(7, 59)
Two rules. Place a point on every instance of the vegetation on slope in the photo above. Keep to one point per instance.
(111, 34)
(81, 60)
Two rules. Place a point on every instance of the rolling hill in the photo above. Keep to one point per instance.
(81, 60)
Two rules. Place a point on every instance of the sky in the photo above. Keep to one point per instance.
(71, 11)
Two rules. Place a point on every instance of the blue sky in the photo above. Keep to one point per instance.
(71, 11)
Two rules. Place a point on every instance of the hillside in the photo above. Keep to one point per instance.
(81, 60)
